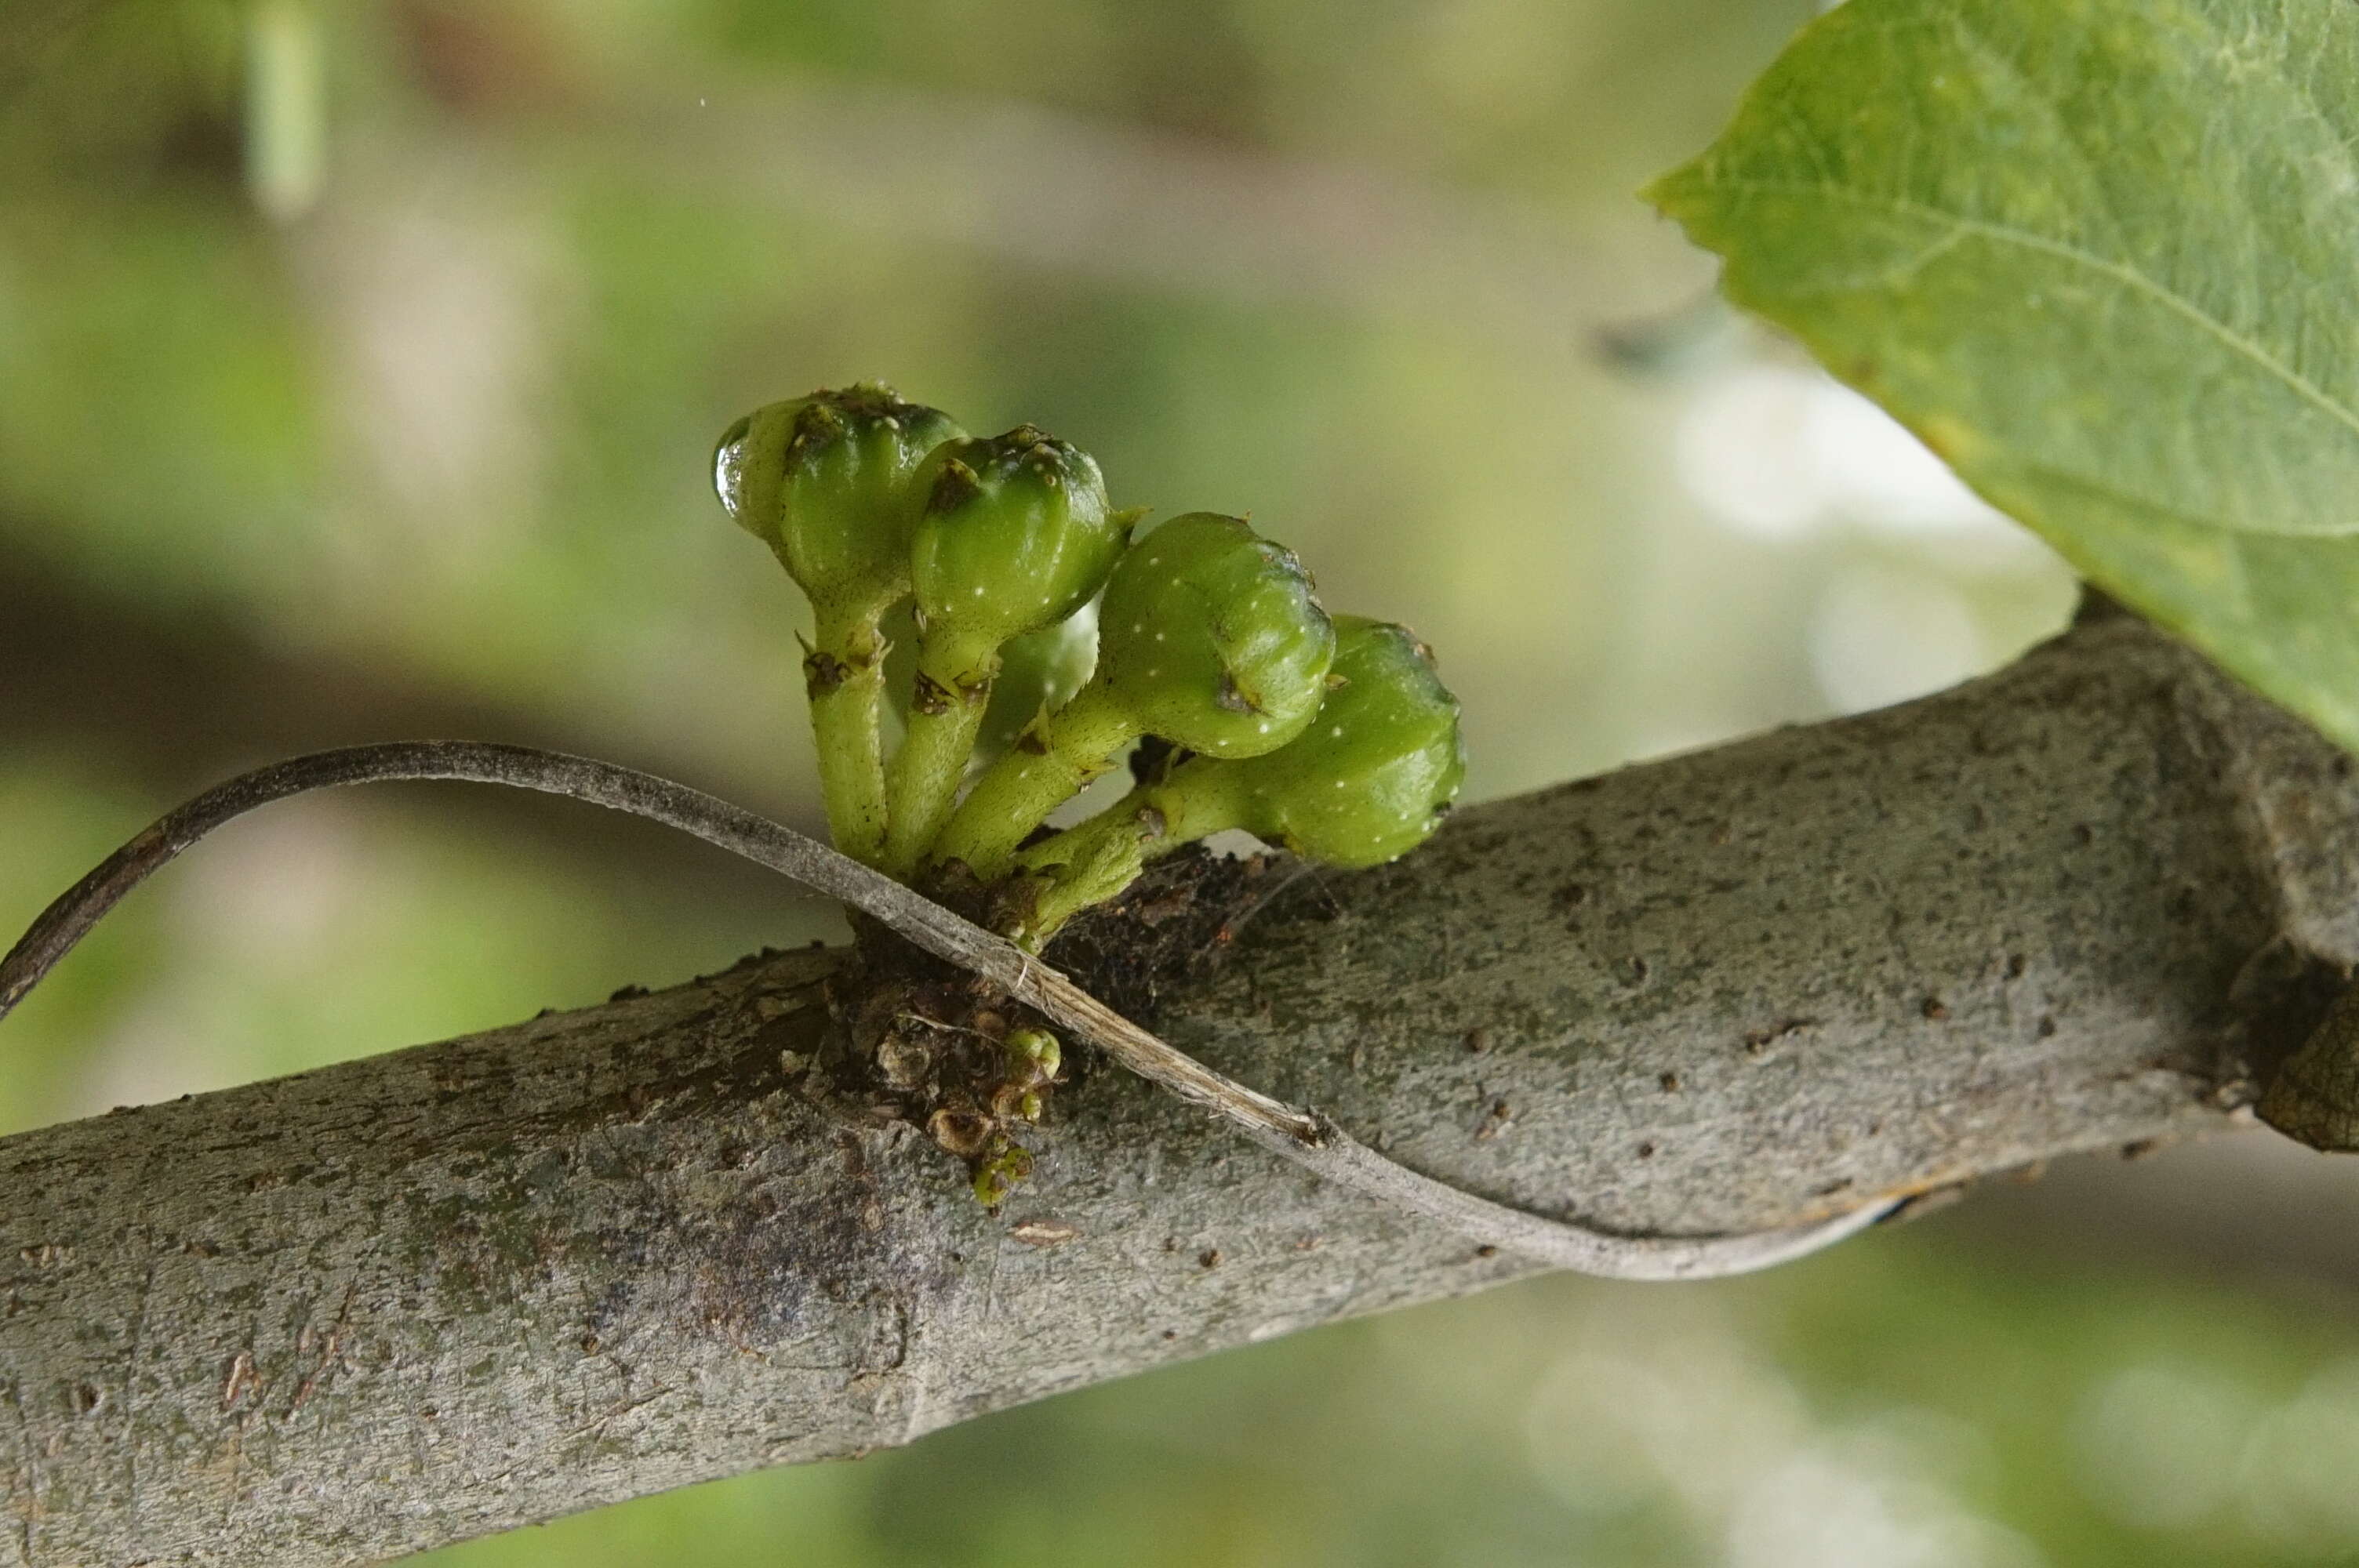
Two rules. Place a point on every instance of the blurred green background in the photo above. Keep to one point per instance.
(359, 368)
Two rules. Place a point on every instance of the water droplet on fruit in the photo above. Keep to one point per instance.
(729, 467)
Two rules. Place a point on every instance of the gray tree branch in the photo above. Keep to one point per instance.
(426, 1296)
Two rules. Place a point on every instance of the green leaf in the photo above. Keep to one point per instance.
(2102, 256)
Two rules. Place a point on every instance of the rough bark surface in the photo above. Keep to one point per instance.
(434, 1295)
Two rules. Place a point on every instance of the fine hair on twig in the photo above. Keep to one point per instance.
(1302, 1134)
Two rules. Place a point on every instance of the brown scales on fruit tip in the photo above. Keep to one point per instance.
(954, 486)
(871, 400)
(814, 423)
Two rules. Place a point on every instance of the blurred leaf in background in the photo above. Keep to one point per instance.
(359, 370)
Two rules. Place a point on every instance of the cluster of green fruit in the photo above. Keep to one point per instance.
(1331, 737)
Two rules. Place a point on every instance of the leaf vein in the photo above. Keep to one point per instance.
(2121, 272)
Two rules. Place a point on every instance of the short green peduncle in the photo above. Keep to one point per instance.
(1094, 861)
(956, 672)
(845, 675)
(1048, 766)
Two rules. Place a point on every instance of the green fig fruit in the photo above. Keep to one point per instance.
(830, 483)
(1374, 774)
(1213, 639)
(1015, 535)
(1209, 636)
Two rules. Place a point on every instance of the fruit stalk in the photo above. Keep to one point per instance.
(1094, 861)
(845, 675)
(953, 689)
(1367, 781)
(1050, 763)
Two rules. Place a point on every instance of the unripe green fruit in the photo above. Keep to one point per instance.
(829, 482)
(1378, 770)
(1212, 638)
(1209, 636)
(1015, 536)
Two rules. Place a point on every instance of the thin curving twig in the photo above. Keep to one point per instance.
(1301, 1134)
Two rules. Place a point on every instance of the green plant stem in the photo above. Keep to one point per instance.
(1094, 861)
(1047, 768)
(845, 673)
(955, 677)
(1097, 860)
